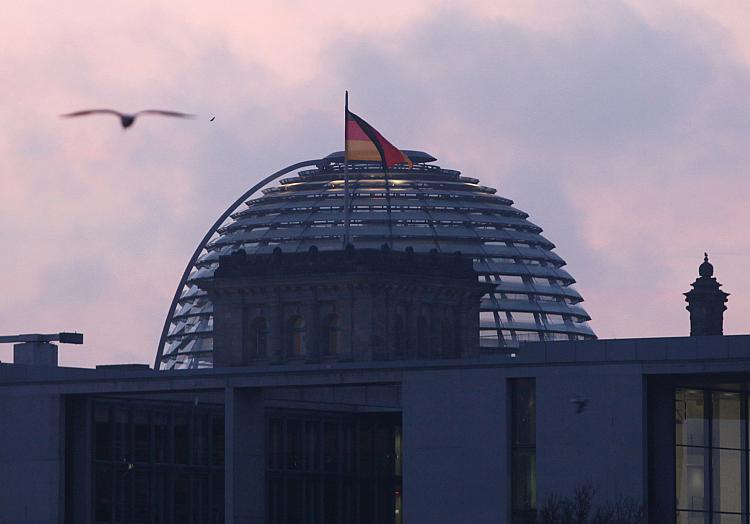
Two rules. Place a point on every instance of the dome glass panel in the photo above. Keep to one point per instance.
(427, 208)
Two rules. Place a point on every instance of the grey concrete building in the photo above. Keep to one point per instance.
(425, 208)
(441, 371)
(463, 436)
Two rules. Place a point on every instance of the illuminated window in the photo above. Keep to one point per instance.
(710, 453)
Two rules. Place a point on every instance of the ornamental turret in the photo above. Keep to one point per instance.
(706, 302)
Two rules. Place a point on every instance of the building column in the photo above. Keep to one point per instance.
(32, 456)
(455, 448)
(244, 456)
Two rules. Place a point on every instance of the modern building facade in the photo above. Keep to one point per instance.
(452, 441)
(296, 424)
(439, 368)
(426, 208)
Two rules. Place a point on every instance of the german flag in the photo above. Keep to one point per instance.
(363, 142)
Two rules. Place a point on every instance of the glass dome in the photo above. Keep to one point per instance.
(427, 208)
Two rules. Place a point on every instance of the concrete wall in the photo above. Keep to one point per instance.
(661, 451)
(455, 465)
(31, 458)
(455, 421)
(605, 444)
(245, 457)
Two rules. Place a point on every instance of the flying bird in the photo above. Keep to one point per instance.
(212, 119)
(127, 119)
(580, 402)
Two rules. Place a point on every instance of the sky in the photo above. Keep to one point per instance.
(621, 127)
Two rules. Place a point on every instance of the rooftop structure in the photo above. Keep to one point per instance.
(347, 388)
(343, 306)
(427, 208)
(706, 302)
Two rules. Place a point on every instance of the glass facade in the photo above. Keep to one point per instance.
(523, 450)
(157, 463)
(711, 456)
(425, 208)
(333, 468)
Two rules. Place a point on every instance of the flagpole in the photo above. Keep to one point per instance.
(388, 207)
(346, 172)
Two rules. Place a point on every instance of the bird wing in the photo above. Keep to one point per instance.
(93, 112)
(164, 113)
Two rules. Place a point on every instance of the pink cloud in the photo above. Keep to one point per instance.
(618, 126)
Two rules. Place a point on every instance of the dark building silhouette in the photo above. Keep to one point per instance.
(315, 384)
(706, 302)
(426, 208)
(344, 306)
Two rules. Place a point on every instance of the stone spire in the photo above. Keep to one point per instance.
(706, 303)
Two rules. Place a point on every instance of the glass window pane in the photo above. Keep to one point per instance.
(217, 430)
(524, 412)
(726, 420)
(725, 518)
(294, 444)
(181, 439)
(331, 500)
(103, 495)
(524, 483)
(294, 500)
(690, 467)
(161, 437)
(275, 444)
(330, 447)
(122, 433)
(689, 413)
(141, 433)
(691, 517)
(312, 445)
(727, 480)
(104, 433)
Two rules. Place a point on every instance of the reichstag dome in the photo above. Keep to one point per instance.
(427, 208)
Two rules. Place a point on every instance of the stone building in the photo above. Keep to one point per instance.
(328, 385)
(344, 306)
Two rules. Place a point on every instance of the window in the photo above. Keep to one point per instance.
(256, 340)
(710, 453)
(296, 336)
(333, 468)
(330, 332)
(523, 450)
(138, 448)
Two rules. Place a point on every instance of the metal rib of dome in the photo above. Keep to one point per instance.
(426, 208)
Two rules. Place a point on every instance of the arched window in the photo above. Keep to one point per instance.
(330, 335)
(256, 339)
(296, 336)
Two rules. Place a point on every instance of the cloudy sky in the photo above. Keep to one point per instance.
(622, 127)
